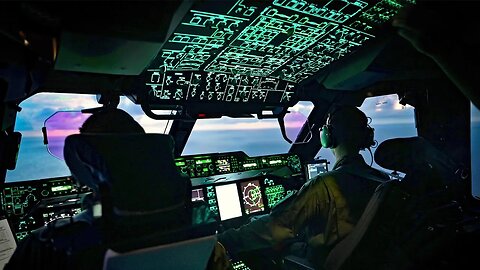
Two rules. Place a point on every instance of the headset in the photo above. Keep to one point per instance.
(327, 137)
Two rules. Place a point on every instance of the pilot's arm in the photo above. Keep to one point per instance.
(283, 224)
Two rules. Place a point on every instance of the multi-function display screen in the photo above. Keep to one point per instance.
(228, 201)
(314, 169)
(252, 197)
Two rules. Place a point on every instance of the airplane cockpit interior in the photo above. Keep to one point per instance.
(240, 91)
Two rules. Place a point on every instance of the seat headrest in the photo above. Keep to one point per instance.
(406, 154)
(139, 169)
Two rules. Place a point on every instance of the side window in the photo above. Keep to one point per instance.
(390, 119)
(34, 161)
(475, 152)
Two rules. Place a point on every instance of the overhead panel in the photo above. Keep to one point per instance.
(257, 51)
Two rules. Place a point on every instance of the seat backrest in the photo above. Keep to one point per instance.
(405, 222)
(140, 187)
(191, 254)
(135, 172)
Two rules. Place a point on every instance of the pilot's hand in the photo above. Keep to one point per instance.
(219, 259)
(423, 29)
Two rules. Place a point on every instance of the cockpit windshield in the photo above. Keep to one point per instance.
(253, 136)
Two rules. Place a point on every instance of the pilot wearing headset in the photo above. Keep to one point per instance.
(324, 210)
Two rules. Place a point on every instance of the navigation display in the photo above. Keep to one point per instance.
(252, 197)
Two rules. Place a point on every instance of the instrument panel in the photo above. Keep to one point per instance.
(232, 184)
(234, 162)
(32, 204)
(244, 197)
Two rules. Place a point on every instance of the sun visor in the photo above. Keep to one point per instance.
(106, 55)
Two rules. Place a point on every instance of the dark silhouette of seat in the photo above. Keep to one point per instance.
(183, 255)
(408, 224)
(145, 201)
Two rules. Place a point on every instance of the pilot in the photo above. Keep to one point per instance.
(37, 251)
(115, 120)
(324, 210)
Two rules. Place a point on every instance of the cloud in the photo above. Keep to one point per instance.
(66, 120)
(61, 133)
(303, 107)
(153, 126)
(23, 124)
(225, 123)
(59, 102)
(387, 110)
(36, 109)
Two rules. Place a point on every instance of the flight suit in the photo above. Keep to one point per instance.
(321, 213)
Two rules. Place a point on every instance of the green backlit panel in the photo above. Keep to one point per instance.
(18, 199)
(275, 191)
(249, 51)
(274, 194)
(190, 87)
(268, 43)
(334, 10)
(20, 202)
(234, 162)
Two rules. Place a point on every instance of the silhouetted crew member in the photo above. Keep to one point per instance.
(55, 246)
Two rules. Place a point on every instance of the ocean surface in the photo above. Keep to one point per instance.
(35, 162)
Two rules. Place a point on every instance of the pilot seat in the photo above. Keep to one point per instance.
(144, 211)
(409, 224)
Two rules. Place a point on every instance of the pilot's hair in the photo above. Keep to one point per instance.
(111, 120)
(350, 126)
